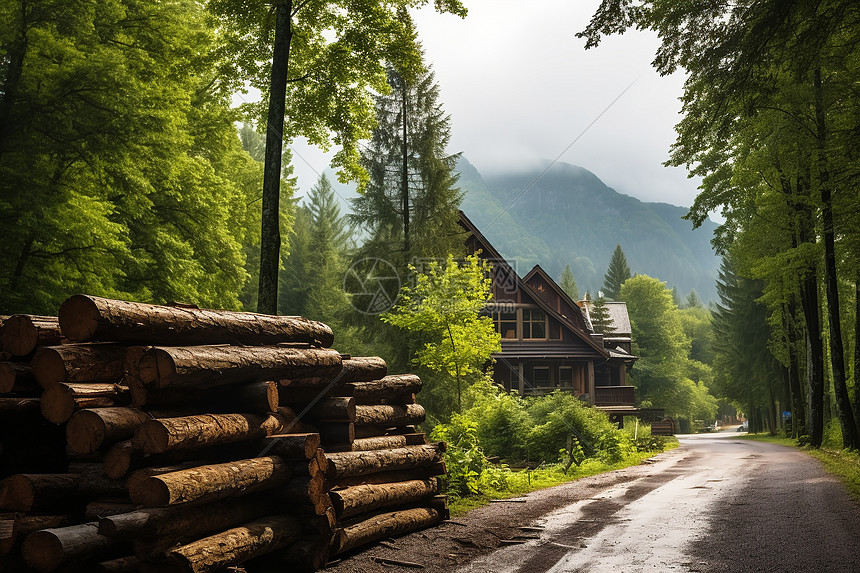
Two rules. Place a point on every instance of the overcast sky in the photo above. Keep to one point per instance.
(520, 88)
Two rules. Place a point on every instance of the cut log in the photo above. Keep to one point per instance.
(291, 446)
(190, 432)
(256, 397)
(436, 469)
(88, 430)
(93, 318)
(48, 549)
(61, 401)
(78, 363)
(96, 510)
(396, 415)
(178, 524)
(15, 527)
(234, 546)
(356, 500)
(22, 333)
(387, 388)
(94, 485)
(209, 366)
(38, 492)
(19, 408)
(123, 457)
(137, 477)
(305, 491)
(388, 442)
(305, 395)
(375, 431)
(333, 434)
(16, 377)
(383, 526)
(331, 409)
(212, 482)
(347, 464)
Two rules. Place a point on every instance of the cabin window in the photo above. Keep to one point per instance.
(540, 377)
(565, 376)
(534, 323)
(506, 323)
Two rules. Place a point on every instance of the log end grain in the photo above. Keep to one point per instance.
(79, 318)
(85, 432)
(48, 367)
(43, 551)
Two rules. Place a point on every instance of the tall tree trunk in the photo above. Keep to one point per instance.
(798, 408)
(404, 191)
(831, 281)
(857, 347)
(814, 358)
(270, 232)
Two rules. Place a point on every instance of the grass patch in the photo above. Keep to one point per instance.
(843, 464)
(515, 483)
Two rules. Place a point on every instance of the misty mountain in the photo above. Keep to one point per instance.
(569, 216)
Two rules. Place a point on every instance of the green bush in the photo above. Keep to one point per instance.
(464, 458)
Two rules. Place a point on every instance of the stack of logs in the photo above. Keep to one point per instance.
(140, 437)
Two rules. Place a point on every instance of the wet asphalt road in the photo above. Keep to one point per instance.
(714, 504)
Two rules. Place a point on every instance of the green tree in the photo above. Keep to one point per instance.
(315, 76)
(692, 300)
(445, 306)
(120, 170)
(568, 283)
(661, 374)
(600, 319)
(409, 206)
(769, 113)
(616, 274)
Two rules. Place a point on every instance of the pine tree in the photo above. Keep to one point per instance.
(616, 274)
(692, 300)
(600, 319)
(410, 204)
(568, 283)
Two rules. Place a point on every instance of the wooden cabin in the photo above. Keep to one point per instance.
(547, 339)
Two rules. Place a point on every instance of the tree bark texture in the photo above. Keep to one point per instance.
(433, 470)
(212, 482)
(356, 500)
(53, 365)
(192, 432)
(388, 442)
(23, 333)
(88, 430)
(208, 366)
(234, 546)
(38, 492)
(291, 446)
(382, 415)
(129, 564)
(93, 318)
(331, 409)
(346, 464)
(270, 234)
(383, 526)
(14, 528)
(61, 401)
(393, 389)
(48, 549)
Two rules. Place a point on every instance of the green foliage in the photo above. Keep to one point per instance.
(419, 221)
(616, 274)
(568, 284)
(663, 372)
(600, 319)
(120, 170)
(444, 307)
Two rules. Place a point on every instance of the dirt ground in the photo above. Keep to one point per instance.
(460, 540)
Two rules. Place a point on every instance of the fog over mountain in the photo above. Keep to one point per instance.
(570, 217)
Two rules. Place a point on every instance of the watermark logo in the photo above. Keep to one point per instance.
(372, 285)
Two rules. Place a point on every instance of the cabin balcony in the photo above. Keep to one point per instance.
(614, 396)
